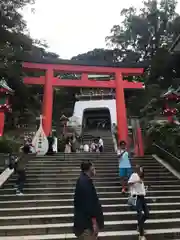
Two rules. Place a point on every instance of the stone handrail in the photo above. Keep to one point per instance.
(6, 174)
(167, 156)
(115, 142)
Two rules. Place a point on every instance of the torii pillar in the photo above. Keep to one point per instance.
(49, 81)
(121, 109)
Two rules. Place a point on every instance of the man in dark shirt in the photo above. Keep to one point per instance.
(88, 215)
(20, 168)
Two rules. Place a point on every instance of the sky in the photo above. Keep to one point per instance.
(71, 27)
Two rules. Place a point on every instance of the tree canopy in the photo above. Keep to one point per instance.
(146, 35)
(16, 45)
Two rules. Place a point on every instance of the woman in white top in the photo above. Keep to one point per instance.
(100, 144)
(137, 189)
(86, 148)
(68, 146)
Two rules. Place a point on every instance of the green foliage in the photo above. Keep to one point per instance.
(15, 46)
(8, 145)
(165, 135)
(146, 35)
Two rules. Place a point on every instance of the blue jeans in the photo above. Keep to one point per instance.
(142, 213)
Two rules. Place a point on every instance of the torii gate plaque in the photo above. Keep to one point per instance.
(49, 81)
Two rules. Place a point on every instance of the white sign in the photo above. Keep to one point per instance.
(40, 141)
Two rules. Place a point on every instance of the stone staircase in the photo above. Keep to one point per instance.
(106, 136)
(46, 209)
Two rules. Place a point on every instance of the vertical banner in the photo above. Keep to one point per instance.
(40, 141)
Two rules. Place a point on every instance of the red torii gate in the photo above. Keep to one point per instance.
(49, 81)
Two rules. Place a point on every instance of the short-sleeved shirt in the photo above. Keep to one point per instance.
(124, 161)
(86, 148)
(136, 188)
(101, 143)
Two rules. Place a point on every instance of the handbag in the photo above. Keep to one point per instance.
(132, 200)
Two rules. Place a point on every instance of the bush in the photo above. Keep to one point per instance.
(8, 145)
(166, 136)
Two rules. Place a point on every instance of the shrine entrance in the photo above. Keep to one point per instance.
(97, 118)
(57, 75)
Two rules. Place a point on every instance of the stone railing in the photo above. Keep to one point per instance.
(167, 156)
(6, 172)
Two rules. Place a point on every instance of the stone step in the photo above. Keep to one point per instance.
(78, 164)
(92, 155)
(101, 156)
(53, 194)
(99, 168)
(65, 218)
(70, 188)
(110, 167)
(105, 201)
(68, 227)
(86, 155)
(157, 205)
(56, 209)
(72, 173)
(66, 184)
(154, 234)
(66, 193)
(46, 209)
(70, 178)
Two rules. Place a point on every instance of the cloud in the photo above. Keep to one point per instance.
(71, 27)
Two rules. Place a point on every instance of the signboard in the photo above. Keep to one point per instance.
(40, 141)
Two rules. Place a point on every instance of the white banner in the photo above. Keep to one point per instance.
(40, 141)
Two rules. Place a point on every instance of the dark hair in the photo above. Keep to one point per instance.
(137, 167)
(85, 166)
(122, 143)
(26, 149)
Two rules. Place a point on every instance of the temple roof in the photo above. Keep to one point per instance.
(89, 63)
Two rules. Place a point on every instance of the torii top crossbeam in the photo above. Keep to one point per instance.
(49, 81)
(84, 81)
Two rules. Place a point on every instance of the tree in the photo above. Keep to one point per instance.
(146, 35)
(99, 56)
(16, 46)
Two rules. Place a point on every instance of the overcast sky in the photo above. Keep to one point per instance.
(71, 27)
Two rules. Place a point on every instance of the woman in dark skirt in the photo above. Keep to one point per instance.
(51, 142)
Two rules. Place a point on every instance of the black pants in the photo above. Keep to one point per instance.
(101, 148)
(142, 213)
(21, 177)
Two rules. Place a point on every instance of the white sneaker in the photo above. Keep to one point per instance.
(138, 230)
(142, 238)
(19, 194)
